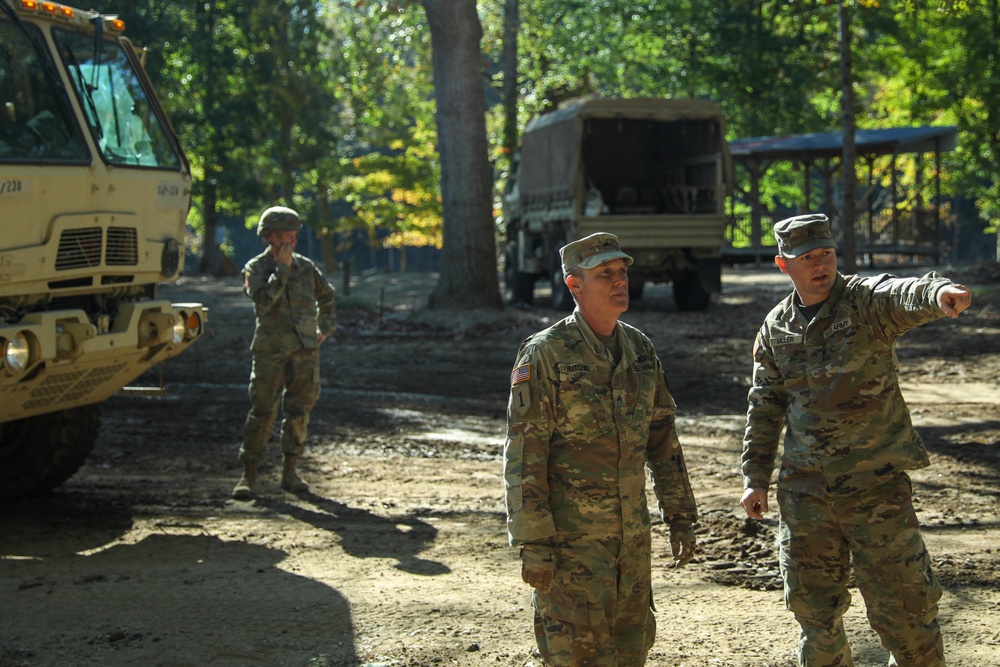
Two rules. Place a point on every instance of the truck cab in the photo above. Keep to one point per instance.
(94, 195)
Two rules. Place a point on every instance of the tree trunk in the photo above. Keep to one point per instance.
(511, 22)
(468, 276)
(325, 227)
(848, 253)
(211, 254)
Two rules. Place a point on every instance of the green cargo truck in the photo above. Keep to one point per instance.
(654, 172)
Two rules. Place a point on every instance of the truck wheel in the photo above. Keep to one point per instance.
(40, 453)
(689, 295)
(519, 286)
(561, 297)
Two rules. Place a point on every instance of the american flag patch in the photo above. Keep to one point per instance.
(520, 374)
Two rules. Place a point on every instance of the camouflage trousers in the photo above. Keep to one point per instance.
(878, 528)
(599, 610)
(291, 379)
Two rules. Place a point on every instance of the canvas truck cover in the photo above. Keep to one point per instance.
(550, 149)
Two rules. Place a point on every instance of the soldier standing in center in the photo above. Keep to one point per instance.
(589, 413)
(295, 308)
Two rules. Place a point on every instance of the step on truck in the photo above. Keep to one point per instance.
(94, 195)
(654, 172)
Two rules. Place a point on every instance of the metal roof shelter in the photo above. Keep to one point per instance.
(886, 224)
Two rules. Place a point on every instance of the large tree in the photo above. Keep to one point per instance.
(468, 276)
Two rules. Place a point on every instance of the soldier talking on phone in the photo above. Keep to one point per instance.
(295, 308)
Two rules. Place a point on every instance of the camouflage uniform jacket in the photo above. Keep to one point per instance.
(581, 433)
(291, 303)
(834, 382)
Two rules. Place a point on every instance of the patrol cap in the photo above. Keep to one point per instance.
(278, 219)
(591, 251)
(802, 233)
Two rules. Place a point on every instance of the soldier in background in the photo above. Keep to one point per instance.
(294, 307)
(589, 412)
(825, 367)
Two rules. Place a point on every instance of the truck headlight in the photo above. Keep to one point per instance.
(16, 352)
(193, 324)
(188, 326)
(180, 328)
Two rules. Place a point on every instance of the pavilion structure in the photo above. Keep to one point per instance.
(890, 220)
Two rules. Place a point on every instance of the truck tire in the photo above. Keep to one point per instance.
(689, 295)
(519, 286)
(561, 297)
(40, 453)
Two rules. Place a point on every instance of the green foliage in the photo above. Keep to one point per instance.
(307, 103)
(386, 164)
(393, 190)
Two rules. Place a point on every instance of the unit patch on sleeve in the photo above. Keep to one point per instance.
(520, 390)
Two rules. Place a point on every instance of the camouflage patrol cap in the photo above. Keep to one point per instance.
(802, 233)
(591, 251)
(278, 219)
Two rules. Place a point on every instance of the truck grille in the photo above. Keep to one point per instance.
(69, 388)
(81, 248)
(123, 247)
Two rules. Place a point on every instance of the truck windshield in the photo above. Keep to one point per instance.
(121, 117)
(36, 121)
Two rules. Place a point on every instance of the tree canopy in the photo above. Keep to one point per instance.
(315, 104)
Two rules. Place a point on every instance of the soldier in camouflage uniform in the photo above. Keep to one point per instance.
(295, 308)
(589, 412)
(825, 369)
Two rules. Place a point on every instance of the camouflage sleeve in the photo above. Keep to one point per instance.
(665, 458)
(767, 401)
(530, 425)
(265, 287)
(326, 300)
(896, 305)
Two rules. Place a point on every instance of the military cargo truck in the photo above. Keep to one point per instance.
(94, 196)
(654, 172)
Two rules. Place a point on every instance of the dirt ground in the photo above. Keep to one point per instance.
(398, 556)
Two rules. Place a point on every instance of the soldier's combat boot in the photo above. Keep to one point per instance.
(290, 481)
(244, 488)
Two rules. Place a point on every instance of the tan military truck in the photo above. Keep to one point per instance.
(654, 172)
(94, 196)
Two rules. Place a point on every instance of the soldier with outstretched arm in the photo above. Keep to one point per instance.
(825, 372)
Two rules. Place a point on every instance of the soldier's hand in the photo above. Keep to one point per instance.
(754, 502)
(682, 540)
(953, 299)
(284, 255)
(538, 566)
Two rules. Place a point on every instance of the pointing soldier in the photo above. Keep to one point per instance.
(589, 413)
(294, 307)
(825, 369)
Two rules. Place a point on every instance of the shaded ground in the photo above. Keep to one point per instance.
(398, 556)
